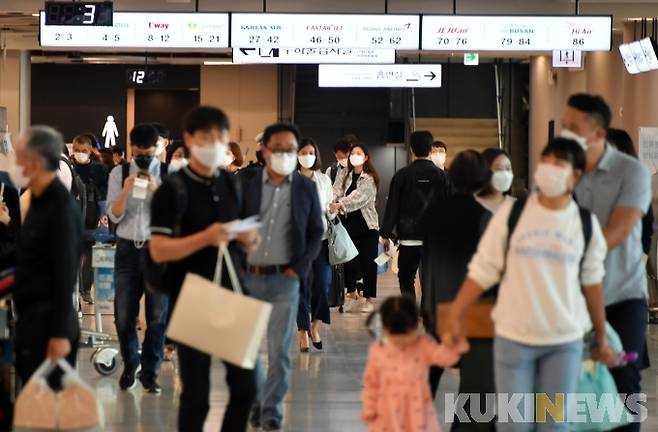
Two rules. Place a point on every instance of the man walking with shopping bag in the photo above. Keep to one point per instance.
(188, 223)
(291, 234)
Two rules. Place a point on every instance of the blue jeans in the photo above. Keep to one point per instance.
(283, 293)
(521, 368)
(129, 265)
(316, 286)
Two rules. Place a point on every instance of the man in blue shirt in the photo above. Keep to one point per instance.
(617, 189)
(129, 206)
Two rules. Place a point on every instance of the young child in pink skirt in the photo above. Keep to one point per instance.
(396, 395)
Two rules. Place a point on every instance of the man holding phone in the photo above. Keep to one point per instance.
(129, 207)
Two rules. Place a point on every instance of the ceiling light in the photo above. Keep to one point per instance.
(217, 63)
(35, 14)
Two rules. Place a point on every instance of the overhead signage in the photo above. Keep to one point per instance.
(567, 59)
(312, 55)
(516, 33)
(397, 75)
(639, 56)
(265, 30)
(79, 13)
(143, 30)
(471, 59)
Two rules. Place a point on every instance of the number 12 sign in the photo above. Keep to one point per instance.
(253, 30)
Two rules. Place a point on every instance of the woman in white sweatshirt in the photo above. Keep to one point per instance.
(550, 290)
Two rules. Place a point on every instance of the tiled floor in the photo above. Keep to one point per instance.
(325, 387)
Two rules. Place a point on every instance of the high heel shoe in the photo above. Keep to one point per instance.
(303, 349)
(316, 345)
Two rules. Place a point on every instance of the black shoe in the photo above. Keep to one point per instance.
(318, 345)
(272, 425)
(254, 421)
(86, 297)
(128, 379)
(150, 384)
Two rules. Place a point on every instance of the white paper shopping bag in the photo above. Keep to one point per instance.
(217, 321)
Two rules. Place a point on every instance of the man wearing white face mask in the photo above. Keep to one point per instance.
(188, 223)
(163, 142)
(617, 189)
(292, 232)
(342, 152)
(547, 255)
(439, 154)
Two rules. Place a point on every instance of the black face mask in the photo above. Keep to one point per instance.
(143, 162)
(260, 157)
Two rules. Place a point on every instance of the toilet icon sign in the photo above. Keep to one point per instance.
(110, 132)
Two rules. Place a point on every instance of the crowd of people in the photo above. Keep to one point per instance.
(511, 282)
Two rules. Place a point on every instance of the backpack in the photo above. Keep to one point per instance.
(78, 190)
(155, 273)
(515, 215)
(333, 172)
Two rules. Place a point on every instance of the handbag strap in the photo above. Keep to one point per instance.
(223, 255)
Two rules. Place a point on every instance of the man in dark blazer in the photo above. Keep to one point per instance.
(291, 236)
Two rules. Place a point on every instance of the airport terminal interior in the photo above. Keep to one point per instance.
(359, 174)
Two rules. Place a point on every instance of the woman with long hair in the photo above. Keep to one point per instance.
(355, 193)
(317, 286)
(500, 177)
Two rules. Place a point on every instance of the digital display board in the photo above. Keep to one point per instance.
(397, 75)
(516, 33)
(271, 30)
(79, 13)
(143, 30)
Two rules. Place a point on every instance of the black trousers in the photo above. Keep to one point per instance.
(408, 262)
(364, 264)
(87, 269)
(194, 405)
(629, 319)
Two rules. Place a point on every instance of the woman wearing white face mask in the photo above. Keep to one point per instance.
(317, 287)
(355, 193)
(496, 192)
(550, 269)
(177, 156)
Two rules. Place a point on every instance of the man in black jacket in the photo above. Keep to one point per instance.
(414, 189)
(50, 242)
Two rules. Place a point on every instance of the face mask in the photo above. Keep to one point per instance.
(81, 158)
(552, 179)
(160, 147)
(439, 159)
(502, 180)
(15, 171)
(357, 160)
(567, 134)
(283, 163)
(177, 164)
(143, 162)
(259, 157)
(211, 156)
(342, 162)
(307, 161)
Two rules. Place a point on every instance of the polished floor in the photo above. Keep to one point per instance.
(325, 386)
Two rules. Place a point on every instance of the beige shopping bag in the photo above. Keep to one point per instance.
(40, 407)
(217, 321)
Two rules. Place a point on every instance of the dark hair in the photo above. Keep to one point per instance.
(594, 106)
(368, 167)
(162, 131)
(144, 136)
(440, 144)
(490, 155)
(117, 150)
(278, 128)
(106, 158)
(311, 142)
(47, 143)
(172, 149)
(399, 314)
(566, 150)
(345, 143)
(88, 139)
(237, 153)
(468, 172)
(421, 143)
(623, 141)
(205, 118)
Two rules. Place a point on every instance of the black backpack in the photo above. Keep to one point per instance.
(78, 189)
(515, 215)
(154, 273)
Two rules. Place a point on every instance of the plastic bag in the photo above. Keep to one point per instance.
(40, 407)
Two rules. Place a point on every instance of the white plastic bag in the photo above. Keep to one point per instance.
(36, 406)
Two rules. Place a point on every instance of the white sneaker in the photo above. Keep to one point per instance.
(368, 307)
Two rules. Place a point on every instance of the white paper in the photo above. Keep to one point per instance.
(243, 225)
(382, 259)
(140, 188)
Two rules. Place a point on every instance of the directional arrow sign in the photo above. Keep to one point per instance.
(397, 75)
(246, 51)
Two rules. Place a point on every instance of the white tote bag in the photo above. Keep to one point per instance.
(218, 321)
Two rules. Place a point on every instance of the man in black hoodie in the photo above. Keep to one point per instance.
(414, 190)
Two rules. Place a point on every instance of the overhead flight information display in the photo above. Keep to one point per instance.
(259, 30)
(516, 33)
(143, 30)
